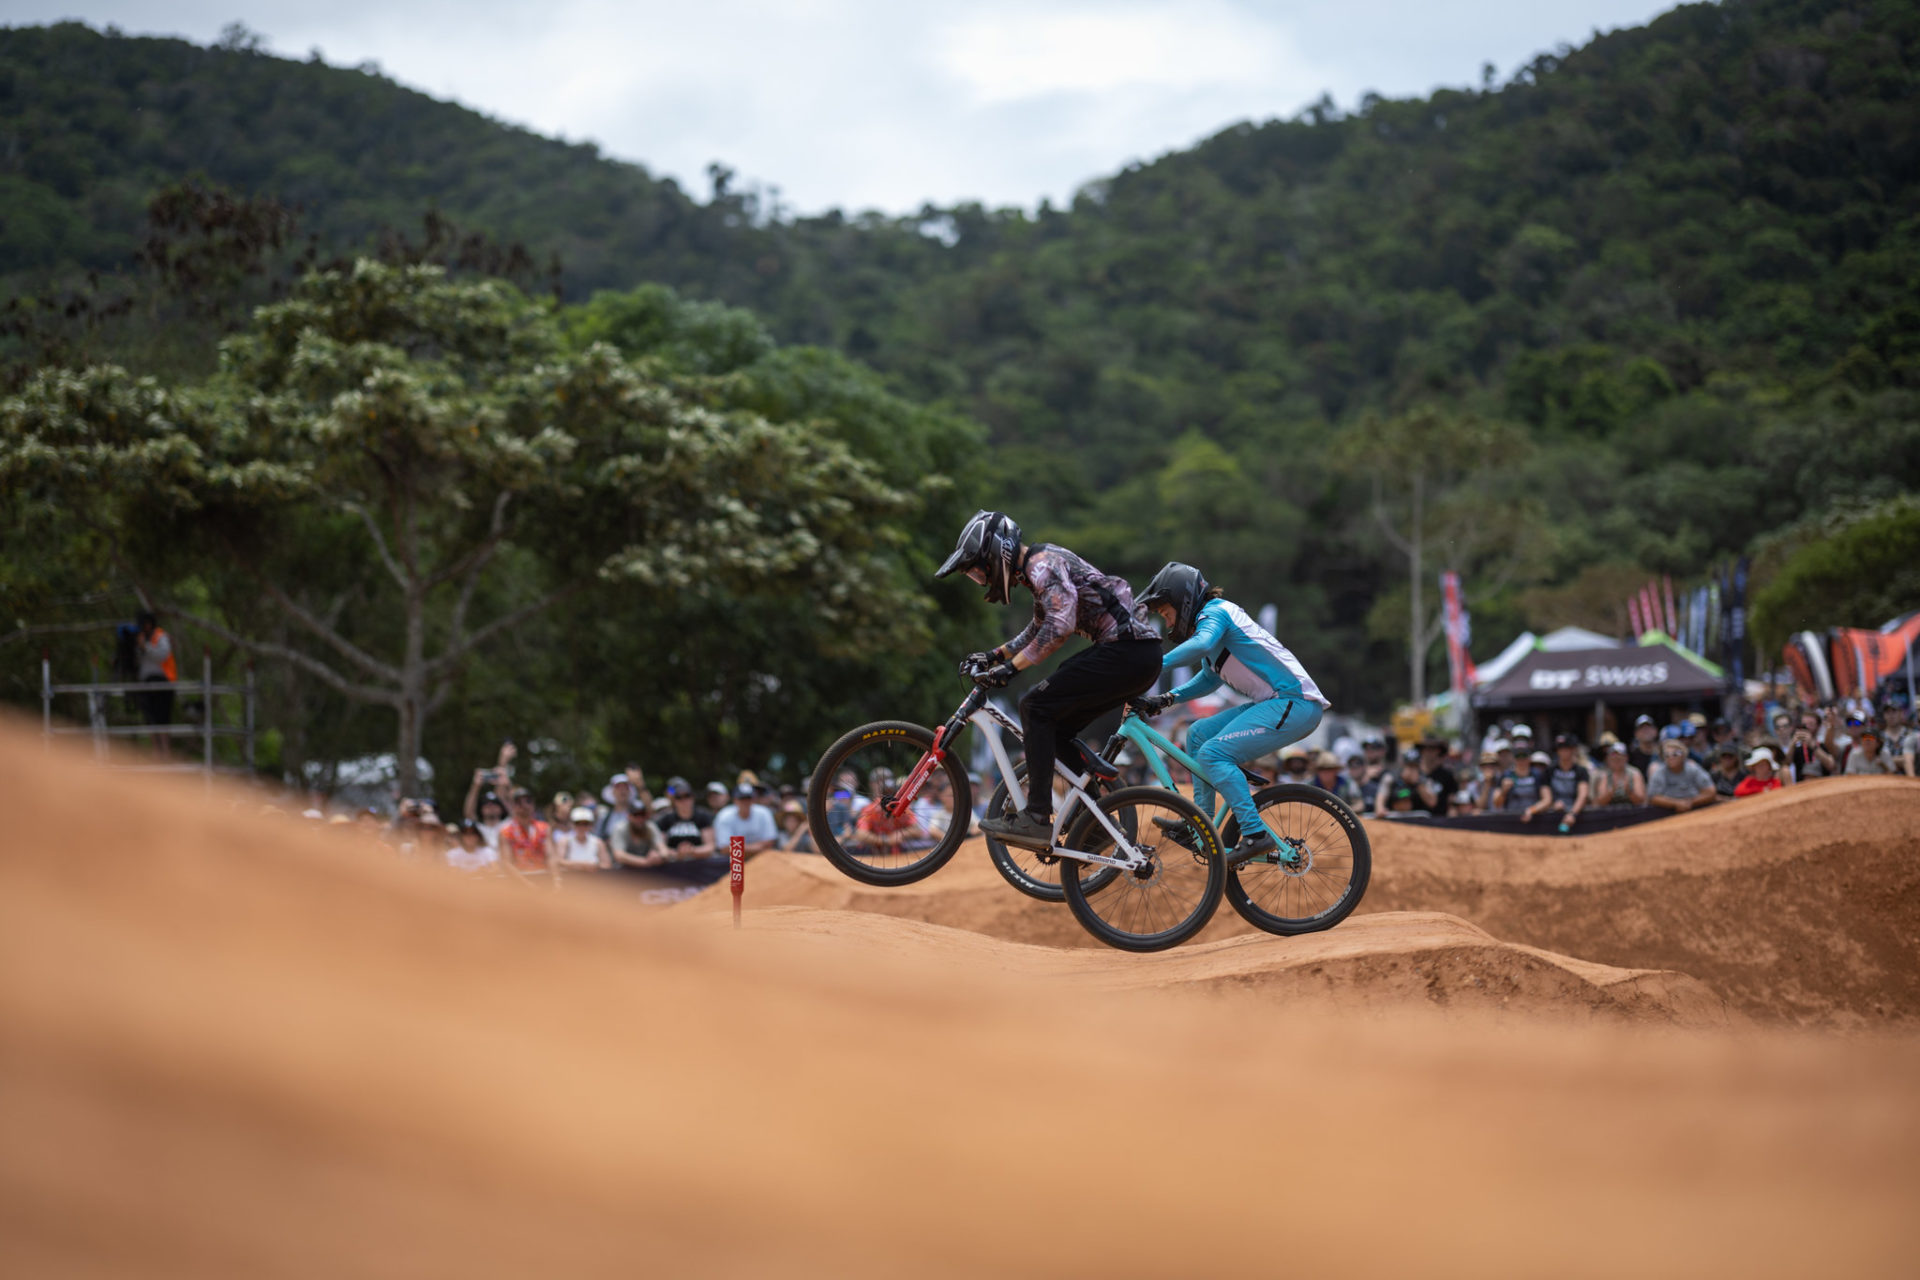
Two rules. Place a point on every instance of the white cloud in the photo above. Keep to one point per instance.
(1011, 54)
(888, 103)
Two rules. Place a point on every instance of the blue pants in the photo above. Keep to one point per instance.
(1224, 742)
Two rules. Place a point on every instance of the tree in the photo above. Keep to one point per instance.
(1863, 571)
(1432, 474)
(376, 448)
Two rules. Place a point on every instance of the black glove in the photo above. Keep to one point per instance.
(974, 663)
(1153, 704)
(996, 675)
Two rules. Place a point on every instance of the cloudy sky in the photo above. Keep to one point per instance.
(888, 103)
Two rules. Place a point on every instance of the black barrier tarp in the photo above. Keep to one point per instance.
(1546, 824)
(1629, 673)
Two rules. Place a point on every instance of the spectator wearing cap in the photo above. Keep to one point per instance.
(1720, 734)
(618, 801)
(1406, 791)
(1327, 777)
(1725, 770)
(1903, 744)
(753, 822)
(1867, 753)
(578, 848)
(1678, 782)
(1520, 790)
(1433, 767)
(718, 797)
(636, 837)
(1476, 793)
(526, 843)
(687, 849)
(1645, 751)
(1619, 785)
(1296, 763)
(1373, 751)
(793, 836)
(472, 853)
(1761, 774)
(1522, 739)
(1569, 782)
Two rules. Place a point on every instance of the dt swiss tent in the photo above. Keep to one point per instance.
(1654, 671)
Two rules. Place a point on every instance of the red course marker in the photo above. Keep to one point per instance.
(737, 872)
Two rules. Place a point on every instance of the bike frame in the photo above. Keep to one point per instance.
(976, 709)
(1155, 746)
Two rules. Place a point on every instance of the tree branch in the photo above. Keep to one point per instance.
(1380, 513)
(483, 550)
(379, 542)
(326, 674)
(458, 646)
(56, 629)
(361, 658)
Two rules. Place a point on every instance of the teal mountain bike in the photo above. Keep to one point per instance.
(1312, 881)
(1141, 868)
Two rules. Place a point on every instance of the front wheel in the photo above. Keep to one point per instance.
(875, 845)
(1161, 904)
(1320, 871)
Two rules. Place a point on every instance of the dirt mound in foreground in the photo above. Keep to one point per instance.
(1380, 962)
(230, 1045)
(1802, 906)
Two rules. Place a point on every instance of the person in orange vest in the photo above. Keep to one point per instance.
(154, 648)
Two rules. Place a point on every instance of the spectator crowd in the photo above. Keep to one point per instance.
(682, 833)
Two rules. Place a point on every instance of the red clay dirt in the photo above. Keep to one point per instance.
(233, 1044)
(1800, 907)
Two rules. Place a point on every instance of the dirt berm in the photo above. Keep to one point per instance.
(1800, 907)
(233, 1046)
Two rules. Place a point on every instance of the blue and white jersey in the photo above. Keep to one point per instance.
(1234, 650)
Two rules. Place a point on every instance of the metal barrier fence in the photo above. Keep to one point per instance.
(102, 732)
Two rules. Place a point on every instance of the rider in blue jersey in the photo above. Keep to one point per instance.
(1230, 648)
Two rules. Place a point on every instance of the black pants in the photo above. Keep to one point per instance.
(1090, 683)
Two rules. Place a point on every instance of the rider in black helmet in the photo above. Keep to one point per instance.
(1069, 596)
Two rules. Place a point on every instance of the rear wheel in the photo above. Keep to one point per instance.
(1320, 871)
(1161, 904)
(1031, 872)
(867, 767)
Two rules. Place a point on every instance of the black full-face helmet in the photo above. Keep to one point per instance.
(1183, 587)
(988, 552)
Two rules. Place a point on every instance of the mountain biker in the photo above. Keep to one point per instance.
(1070, 597)
(1230, 648)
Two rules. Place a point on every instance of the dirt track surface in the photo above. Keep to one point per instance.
(230, 1045)
(1801, 907)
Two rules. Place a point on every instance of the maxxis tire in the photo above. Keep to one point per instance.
(829, 764)
(1082, 837)
(1362, 847)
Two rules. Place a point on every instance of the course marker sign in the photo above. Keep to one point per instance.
(737, 872)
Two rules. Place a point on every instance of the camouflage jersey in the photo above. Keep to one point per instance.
(1072, 597)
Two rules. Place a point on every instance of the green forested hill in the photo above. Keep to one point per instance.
(1643, 307)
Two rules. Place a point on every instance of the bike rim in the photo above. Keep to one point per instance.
(1158, 900)
(1313, 871)
(893, 839)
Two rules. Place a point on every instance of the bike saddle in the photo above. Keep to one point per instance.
(1093, 762)
(1254, 778)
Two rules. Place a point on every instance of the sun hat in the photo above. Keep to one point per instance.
(1326, 760)
(581, 814)
(1523, 731)
(1760, 756)
(1540, 757)
(1489, 757)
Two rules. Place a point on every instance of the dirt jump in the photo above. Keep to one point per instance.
(234, 1043)
(1801, 907)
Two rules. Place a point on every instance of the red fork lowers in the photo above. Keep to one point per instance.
(910, 789)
